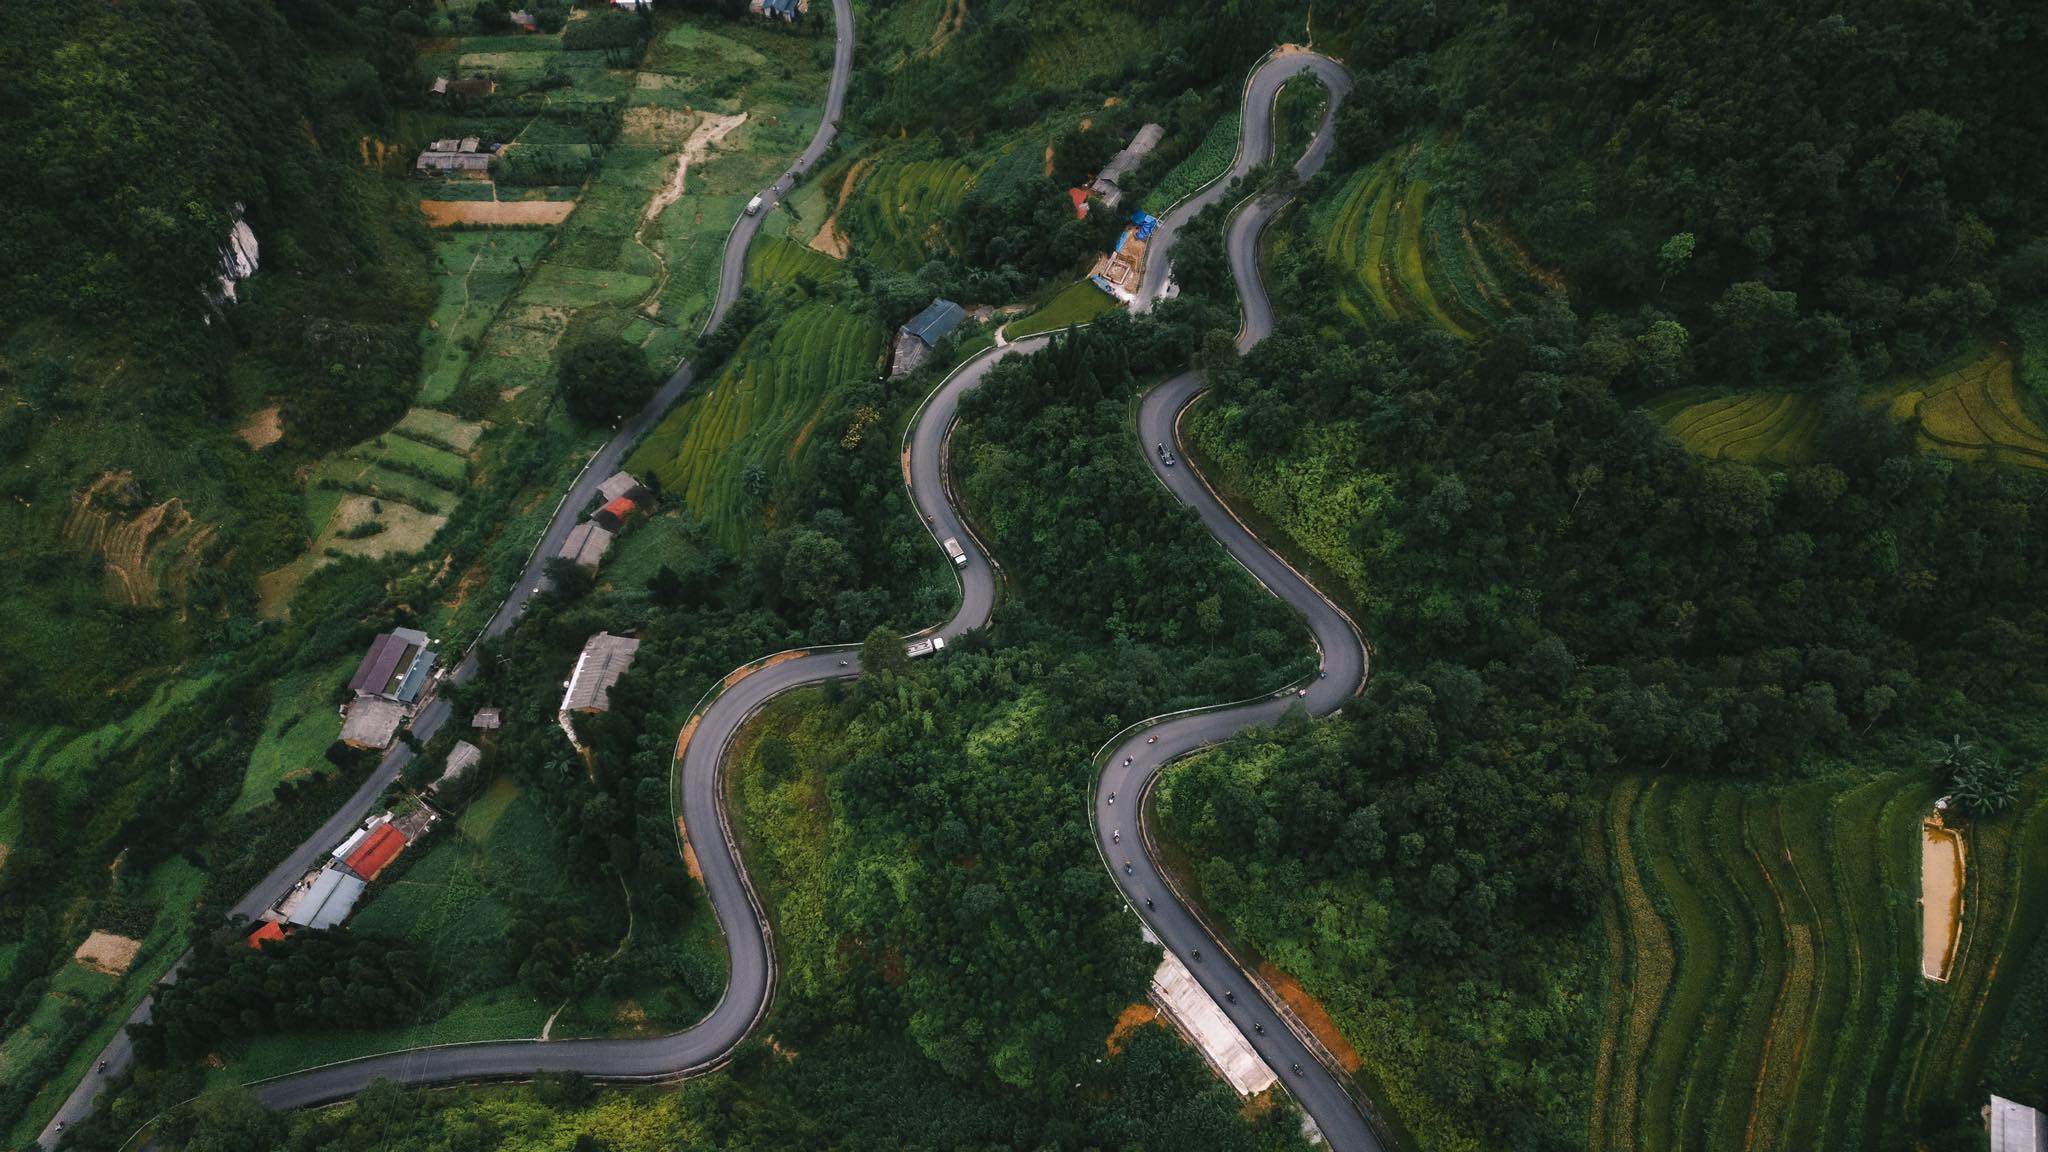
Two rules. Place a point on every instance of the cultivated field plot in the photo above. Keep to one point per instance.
(1974, 411)
(1765, 962)
(761, 412)
(303, 721)
(773, 260)
(903, 213)
(1753, 427)
(1210, 159)
(1402, 253)
(1076, 304)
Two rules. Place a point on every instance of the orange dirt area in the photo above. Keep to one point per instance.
(1048, 160)
(1132, 1018)
(775, 1046)
(683, 737)
(537, 213)
(263, 429)
(1312, 1014)
(742, 673)
(107, 952)
(689, 853)
(830, 240)
(906, 468)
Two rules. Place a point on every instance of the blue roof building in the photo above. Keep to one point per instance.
(916, 339)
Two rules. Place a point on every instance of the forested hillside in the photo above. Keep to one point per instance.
(1804, 198)
(134, 521)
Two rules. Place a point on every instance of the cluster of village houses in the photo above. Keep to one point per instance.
(391, 684)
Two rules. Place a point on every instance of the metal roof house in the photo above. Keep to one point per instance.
(586, 545)
(329, 901)
(376, 852)
(2016, 1127)
(605, 658)
(396, 666)
(372, 722)
(1122, 164)
(916, 339)
(622, 485)
(461, 759)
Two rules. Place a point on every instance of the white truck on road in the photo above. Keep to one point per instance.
(925, 647)
(754, 206)
(958, 553)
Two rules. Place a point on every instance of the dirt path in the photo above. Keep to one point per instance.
(830, 240)
(713, 129)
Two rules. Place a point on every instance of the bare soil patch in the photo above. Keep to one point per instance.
(689, 852)
(1130, 1020)
(263, 429)
(538, 213)
(106, 952)
(653, 126)
(830, 240)
(1312, 1014)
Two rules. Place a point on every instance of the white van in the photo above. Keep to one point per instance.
(958, 553)
(754, 206)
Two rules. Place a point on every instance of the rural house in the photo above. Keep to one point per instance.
(605, 658)
(324, 901)
(487, 719)
(465, 155)
(786, 10)
(1123, 163)
(461, 760)
(614, 514)
(586, 545)
(375, 851)
(1121, 271)
(622, 486)
(915, 340)
(387, 687)
(2016, 1127)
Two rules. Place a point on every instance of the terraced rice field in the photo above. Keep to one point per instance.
(1401, 253)
(1973, 412)
(762, 411)
(775, 260)
(1764, 954)
(905, 212)
(1752, 427)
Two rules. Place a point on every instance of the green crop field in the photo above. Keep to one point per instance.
(904, 212)
(1402, 253)
(1753, 427)
(774, 260)
(761, 411)
(476, 272)
(1764, 961)
(303, 721)
(1973, 411)
(1077, 303)
(1210, 160)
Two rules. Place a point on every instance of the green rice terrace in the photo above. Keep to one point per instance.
(1766, 956)
(1971, 409)
(724, 449)
(1402, 254)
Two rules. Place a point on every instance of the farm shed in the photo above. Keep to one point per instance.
(586, 545)
(916, 339)
(2016, 1127)
(622, 485)
(1121, 164)
(377, 851)
(328, 901)
(605, 658)
(461, 760)
(372, 722)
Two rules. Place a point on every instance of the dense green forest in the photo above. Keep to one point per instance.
(1554, 588)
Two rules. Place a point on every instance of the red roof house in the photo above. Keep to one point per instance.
(378, 849)
(265, 932)
(1080, 198)
(614, 514)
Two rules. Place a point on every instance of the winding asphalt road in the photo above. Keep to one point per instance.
(1146, 747)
